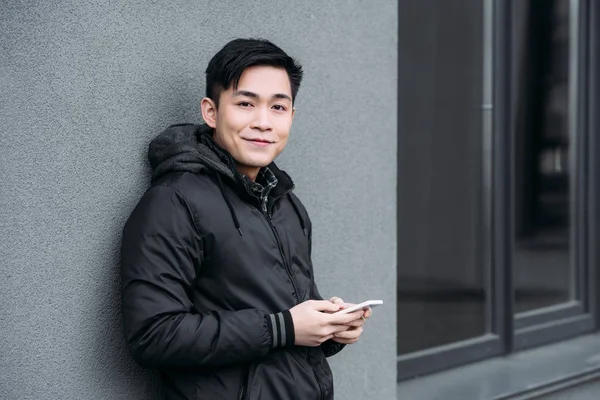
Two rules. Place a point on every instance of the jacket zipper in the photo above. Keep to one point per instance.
(267, 215)
(319, 383)
(294, 284)
(285, 263)
(245, 385)
(288, 269)
(290, 275)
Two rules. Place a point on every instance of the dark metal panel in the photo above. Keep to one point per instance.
(453, 355)
(593, 277)
(583, 136)
(545, 315)
(502, 204)
(553, 331)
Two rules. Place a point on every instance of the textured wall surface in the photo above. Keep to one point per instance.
(84, 86)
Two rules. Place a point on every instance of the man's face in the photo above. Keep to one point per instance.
(253, 121)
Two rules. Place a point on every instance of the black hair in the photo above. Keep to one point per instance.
(226, 67)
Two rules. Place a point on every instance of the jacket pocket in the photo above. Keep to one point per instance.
(246, 383)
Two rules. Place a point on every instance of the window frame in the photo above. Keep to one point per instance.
(510, 332)
(565, 320)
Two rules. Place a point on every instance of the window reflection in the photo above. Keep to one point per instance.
(542, 175)
(441, 272)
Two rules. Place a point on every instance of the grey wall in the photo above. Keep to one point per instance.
(83, 88)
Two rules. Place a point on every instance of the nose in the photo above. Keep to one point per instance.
(262, 120)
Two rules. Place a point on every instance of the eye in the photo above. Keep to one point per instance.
(244, 104)
(279, 107)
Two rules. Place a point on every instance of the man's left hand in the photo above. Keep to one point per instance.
(352, 334)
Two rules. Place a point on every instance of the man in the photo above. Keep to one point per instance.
(217, 281)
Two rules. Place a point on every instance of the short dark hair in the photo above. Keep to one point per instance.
(226, 67)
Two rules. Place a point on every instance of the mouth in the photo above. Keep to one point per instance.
(259, 142)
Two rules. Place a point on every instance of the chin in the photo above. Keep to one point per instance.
(261, 164)
(258, 162)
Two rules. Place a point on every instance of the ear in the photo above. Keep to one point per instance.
(293, 112)
(209, 112)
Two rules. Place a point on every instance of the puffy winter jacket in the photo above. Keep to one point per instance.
(209, 274)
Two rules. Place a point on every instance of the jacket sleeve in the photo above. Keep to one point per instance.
(160, 254)
(330, 347)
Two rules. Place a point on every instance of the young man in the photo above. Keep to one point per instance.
(217, 281)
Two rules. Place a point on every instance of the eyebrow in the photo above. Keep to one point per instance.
(256, 96)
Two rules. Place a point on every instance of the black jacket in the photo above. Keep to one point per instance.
(208, 278)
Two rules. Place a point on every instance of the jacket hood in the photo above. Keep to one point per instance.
(187, 148)
(191, 148)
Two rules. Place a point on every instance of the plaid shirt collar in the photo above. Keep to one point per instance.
(261, 188)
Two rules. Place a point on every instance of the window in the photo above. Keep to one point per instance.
(549, 184)
(543, 264)
(442, 290)
(493, 192)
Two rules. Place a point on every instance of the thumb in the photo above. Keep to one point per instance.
(325, 305)
(336, 300)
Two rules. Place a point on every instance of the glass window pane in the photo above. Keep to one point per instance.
(442, 229)
(543, 267)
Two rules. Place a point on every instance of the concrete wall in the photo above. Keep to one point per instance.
(83, 88)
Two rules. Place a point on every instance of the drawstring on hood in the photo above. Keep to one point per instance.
(191, 148)
(231, 209)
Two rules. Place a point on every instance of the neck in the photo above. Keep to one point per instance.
(250, 172)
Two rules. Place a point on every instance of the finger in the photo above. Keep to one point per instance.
(325, 338)
(341, 319)
(334, 329)
(368, 313)
(345, 341)
(357, 323)
(348, 318)
(349, 334)
(324, 305)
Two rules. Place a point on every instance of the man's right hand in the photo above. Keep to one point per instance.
(313, 324)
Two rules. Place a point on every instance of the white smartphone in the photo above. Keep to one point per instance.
(364, 304)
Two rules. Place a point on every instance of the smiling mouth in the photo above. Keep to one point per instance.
(259, 141)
